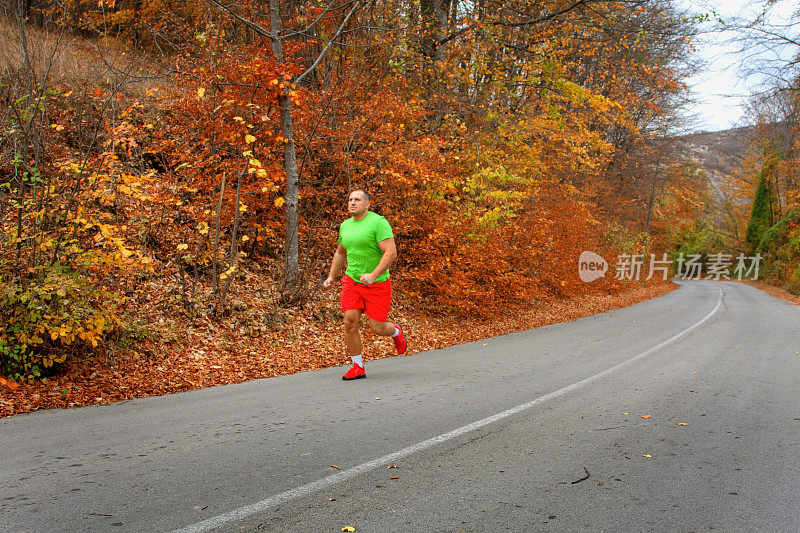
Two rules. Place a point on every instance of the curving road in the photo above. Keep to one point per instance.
(677, 414)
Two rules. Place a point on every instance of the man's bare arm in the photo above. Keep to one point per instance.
(389, 256)
(339, 257)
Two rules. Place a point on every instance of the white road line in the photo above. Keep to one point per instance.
(344, 475)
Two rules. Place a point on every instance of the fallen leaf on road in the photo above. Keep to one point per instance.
(626, 414)
(348, 528)
(336, 467)
(682, 424)
(378, 398)
(693, 373)
(392, 466)
(486, 344)
(646, 416)
(394, 477)
(331, 499)
(647, 455)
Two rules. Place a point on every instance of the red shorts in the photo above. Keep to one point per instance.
(373, 300)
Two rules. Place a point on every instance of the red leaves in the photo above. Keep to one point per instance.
(10, 384)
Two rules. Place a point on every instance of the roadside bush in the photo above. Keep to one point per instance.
(780, 248)
(778, 232)
(44, 324)
(696, 238)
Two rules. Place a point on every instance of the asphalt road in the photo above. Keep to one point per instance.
(535, 431)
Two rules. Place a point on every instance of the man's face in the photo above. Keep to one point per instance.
(356, 203)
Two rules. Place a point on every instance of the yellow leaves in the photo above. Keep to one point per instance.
(182, 247)
(203, 228)
(348, 528)
(647, 455)
(201, 92)
(261, 173)
(682, 424)
(279, 201)
(228, 272)
(61, 292)
(249, 139)
(240, 120)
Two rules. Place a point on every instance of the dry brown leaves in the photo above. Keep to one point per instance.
(778, 292)
(192, 353)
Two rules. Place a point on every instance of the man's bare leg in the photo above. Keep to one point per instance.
(353, 341)
(390, 329)
(384, 329)
(351, 336)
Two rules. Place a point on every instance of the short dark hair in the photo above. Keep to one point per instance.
(366, 194)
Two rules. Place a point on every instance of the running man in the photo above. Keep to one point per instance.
(366, 243)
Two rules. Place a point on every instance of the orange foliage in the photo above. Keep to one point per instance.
(490, 154)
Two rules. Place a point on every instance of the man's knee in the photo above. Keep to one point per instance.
(351, 321)
(376, 326)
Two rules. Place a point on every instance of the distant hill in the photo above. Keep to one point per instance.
(718, 153)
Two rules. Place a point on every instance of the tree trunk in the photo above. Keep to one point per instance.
(435, 14)
(290, 248)
(652, 197)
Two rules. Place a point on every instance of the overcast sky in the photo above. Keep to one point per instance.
(721, 88)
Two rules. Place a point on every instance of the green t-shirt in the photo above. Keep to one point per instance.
(360, 240)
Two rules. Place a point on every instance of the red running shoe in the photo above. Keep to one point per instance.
(356, 372)
(400, 341)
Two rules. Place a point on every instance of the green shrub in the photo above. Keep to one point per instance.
(696, 238)
(761, 214)
(792, 284)
(778, 232)
(45, 323)
(780, 249)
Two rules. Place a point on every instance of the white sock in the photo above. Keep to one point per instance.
(357, 360)
(396, 332)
